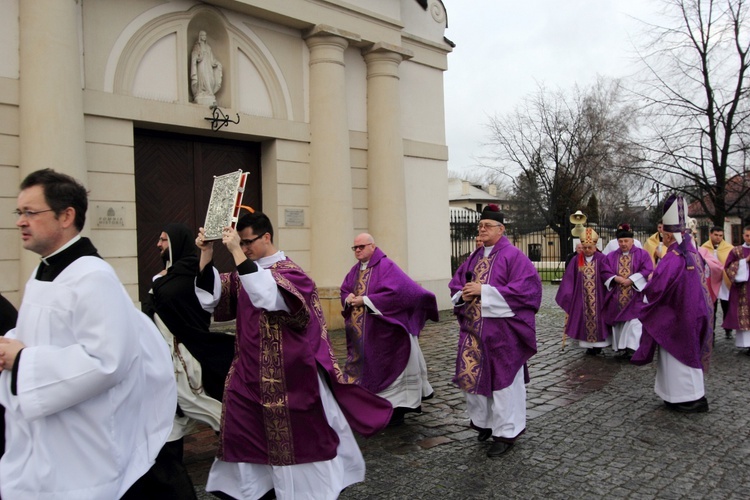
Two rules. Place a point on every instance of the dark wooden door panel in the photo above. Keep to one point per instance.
(174, 175)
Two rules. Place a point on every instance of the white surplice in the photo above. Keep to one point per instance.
(95, 389)
(408, 389)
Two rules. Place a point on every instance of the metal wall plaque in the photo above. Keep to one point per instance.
(109, 216)
(294, 217)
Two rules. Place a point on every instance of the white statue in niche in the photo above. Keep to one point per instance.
(205, 72)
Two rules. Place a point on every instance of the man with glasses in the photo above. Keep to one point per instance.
(496, 294)
(384, 312)
(288, 415)
(86, 380)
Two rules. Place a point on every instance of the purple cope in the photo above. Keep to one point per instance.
(378, 346)
(679, 314)
(492, 350)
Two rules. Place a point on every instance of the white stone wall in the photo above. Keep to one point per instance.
(135, 72)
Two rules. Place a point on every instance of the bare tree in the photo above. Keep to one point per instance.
(558, 148)
(694, 90)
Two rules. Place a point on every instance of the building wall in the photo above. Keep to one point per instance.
(10, 245)
(133, 59)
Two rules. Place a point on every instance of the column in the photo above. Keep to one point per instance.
(51, 131)
(331, 212)
(386, 183)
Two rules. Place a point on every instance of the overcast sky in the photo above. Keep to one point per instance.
(504, 47)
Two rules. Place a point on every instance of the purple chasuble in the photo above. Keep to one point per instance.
(581, 295)
(272, 411)
(738, 315)
(378, 346)
(492, 350)
(679, 313)
(623, 304)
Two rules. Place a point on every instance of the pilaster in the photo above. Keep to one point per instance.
(331, 209)
(386, 189)
(51, 130)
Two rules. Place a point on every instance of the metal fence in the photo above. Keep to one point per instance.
(463, 236)
(543, 247)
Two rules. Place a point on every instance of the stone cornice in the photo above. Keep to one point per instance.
(381, 47)
(326, 30)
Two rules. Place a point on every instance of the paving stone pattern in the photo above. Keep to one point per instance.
(595, 429)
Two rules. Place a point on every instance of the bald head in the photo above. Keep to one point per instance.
(364, 246)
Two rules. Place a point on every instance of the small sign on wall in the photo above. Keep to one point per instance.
(294, 217)
(109, 216)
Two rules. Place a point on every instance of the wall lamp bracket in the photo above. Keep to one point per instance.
(219, 119)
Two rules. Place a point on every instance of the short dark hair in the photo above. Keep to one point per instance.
(60, 192)
(746, 228)
(258, 221)
(715, 229)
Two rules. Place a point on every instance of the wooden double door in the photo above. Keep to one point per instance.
(173, 179)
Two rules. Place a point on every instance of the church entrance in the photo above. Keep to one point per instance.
(173, 179)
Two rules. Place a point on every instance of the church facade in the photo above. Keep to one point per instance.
(335, 108)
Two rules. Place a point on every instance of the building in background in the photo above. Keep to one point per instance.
(464, 194)
(341, 125)
(738, 216)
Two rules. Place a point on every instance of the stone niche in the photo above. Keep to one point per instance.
(212, 24)
(152, 60)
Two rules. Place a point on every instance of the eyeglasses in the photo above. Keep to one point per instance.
(484, 225)
(360, 247)
(29, 214)
(247, 243)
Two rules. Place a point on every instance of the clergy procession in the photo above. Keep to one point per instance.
(98, 397)
(657, 303)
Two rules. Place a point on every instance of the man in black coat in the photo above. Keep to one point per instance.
(8, 317)
(174, 299)
(201, 357)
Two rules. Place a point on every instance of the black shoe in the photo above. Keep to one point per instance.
(484, 434)
(697, 406)
(499, 448)
(728, 334)
(748, 351)
(593, 351)
(396, 419)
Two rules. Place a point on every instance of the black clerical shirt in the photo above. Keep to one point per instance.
(51, 267)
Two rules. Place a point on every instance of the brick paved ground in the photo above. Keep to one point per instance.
(595, 429)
